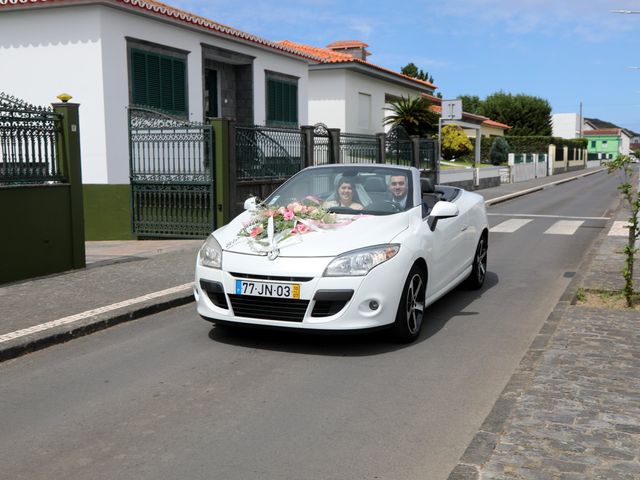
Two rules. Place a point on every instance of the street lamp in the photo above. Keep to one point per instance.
(626, 12)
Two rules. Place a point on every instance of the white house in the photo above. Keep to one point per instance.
(568, 125)
(109, 54)
(350, 93)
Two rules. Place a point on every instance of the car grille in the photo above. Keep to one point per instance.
(269, 308)
(278, 278)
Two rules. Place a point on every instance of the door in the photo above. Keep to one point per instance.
(211, 93)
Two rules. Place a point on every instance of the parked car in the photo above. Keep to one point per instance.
(339, 248)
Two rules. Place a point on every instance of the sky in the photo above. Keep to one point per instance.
(565, 51)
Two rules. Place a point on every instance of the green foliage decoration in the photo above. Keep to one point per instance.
(455, 142)
(499, 151)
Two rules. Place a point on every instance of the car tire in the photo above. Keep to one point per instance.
(476, 278)
(409, 317)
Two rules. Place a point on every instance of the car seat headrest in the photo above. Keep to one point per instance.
(426, 186)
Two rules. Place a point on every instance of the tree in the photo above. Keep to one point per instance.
(414, 114)
(632, 196)
(527, 115)
(470, 103)
(499, 151)
(455, 142)
(411, 70)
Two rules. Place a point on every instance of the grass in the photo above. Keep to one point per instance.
(462, 164)
(605, 299)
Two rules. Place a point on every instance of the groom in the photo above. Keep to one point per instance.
(398, 186)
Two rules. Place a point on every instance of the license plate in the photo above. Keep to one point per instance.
(265, 289)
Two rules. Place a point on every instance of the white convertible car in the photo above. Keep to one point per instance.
(343, 248)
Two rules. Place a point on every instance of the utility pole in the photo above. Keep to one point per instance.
(581, 120)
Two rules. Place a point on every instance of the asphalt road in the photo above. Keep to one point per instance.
(169, 397)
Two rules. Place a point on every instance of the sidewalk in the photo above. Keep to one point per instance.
(572, 408)
(115, 287)
(127, 279)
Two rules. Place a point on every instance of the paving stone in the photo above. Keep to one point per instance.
(572, 409)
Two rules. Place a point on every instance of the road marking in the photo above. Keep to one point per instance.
(525, 215)
(564, 227)
(619, 229)
(90, 313)
(510, 226)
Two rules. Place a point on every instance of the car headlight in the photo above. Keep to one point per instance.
(360, 262)
(210, 254)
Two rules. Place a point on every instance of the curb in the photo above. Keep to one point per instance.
(484, 442)
(509, 196)
(38, 341)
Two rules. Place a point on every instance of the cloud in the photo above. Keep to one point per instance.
(590, 20)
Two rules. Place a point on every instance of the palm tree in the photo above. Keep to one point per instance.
(414, 114)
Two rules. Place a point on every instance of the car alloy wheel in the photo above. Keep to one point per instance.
(411, 309)
(479, 269)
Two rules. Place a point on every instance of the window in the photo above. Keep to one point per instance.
(364, 111)
(158, 81)
(282, 100)
(593, 144)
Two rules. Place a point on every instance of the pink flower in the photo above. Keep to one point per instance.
(301, 228)
(257, 231)
(295, 206)
(288, 215)
(282, 210)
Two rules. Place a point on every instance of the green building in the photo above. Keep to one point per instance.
(606, 143)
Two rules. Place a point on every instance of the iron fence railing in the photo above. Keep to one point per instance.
(172, 175)
(428, 155)
(358, 148)
(162, 148)
(267, 152)
(321, 145)
(398, 147)
(29, 138)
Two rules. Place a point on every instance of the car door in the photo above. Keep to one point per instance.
(445, 246)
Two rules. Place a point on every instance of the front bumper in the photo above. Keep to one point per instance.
(326, 303)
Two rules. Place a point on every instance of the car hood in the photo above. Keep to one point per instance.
(350, 233)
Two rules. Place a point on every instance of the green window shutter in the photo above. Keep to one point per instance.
(158, 81)
(153, 81)
(166, 84)
(271, 101)
(179, 86)
(282, 101)
(138, 78)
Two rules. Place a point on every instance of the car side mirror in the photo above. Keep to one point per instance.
(250, 203)
(440, 210)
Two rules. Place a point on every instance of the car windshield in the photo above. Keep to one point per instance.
(354, 189)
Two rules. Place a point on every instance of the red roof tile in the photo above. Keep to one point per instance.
(347, 44)
(603, 131)
(437, 107)
(493, 123)
(324, 55)
(158, 8)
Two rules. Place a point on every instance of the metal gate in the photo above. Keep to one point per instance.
(171, 174)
